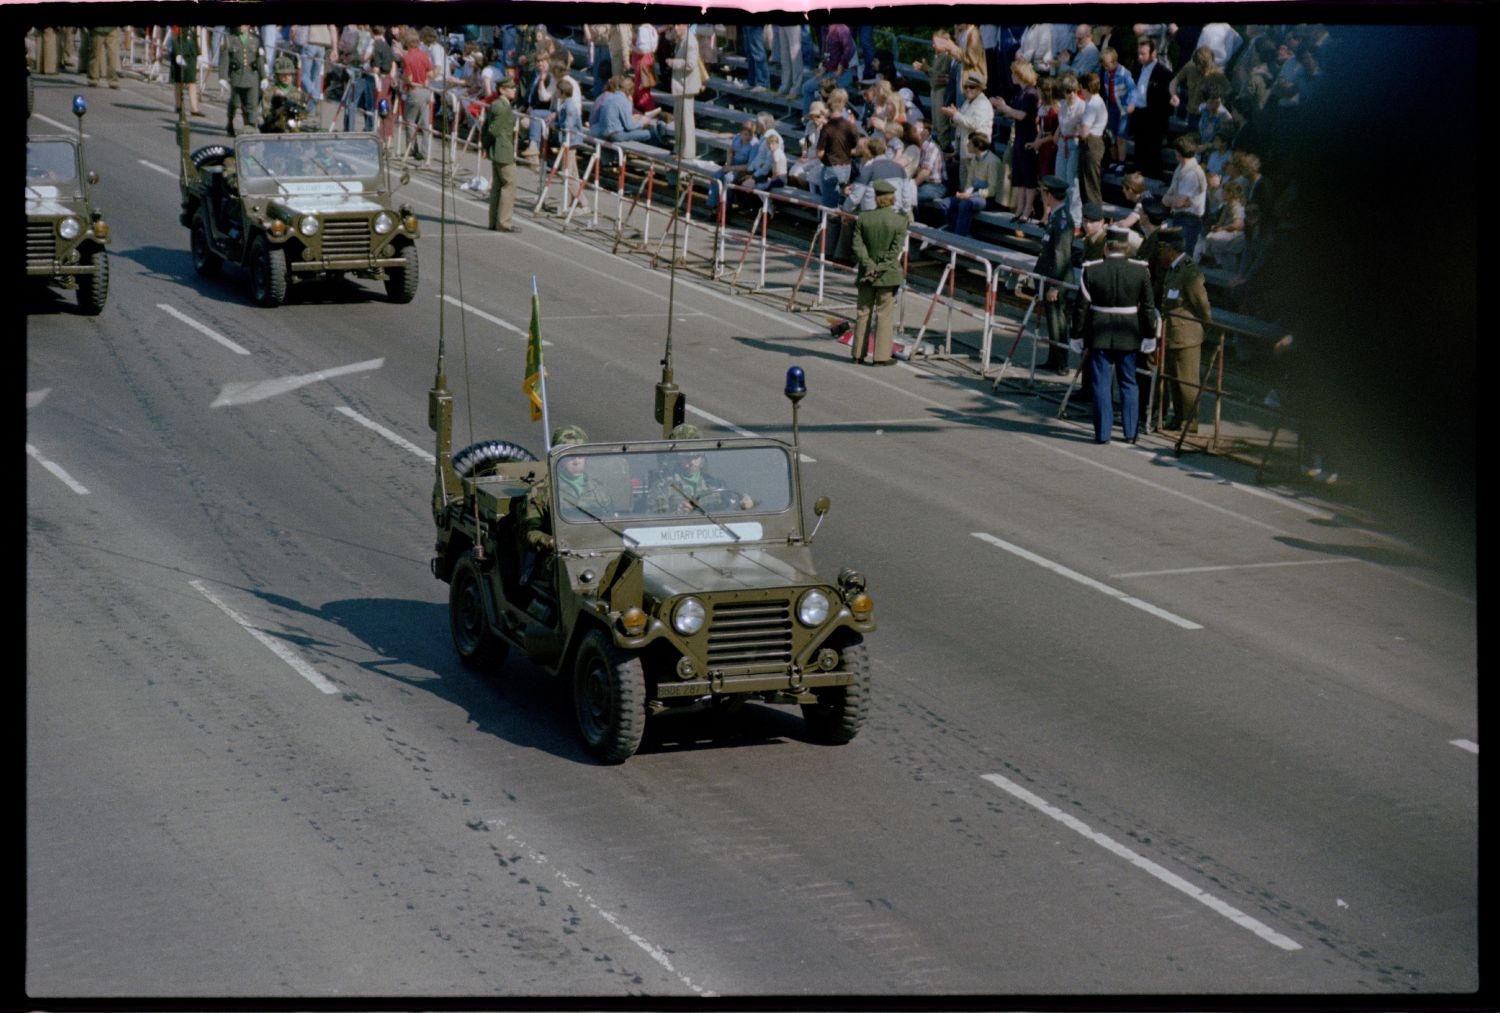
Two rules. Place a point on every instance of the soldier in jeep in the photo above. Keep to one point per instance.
(684, 483)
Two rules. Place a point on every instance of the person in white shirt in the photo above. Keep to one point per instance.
(1187, 195)
(975, 116)
(1091, 143)
(1069, 137)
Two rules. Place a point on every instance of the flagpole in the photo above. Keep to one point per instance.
(541, 370)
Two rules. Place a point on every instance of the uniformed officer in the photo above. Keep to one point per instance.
(500, 143)
(879, 238)
(1094, 231)
(575, 488)
(287, 103)
(1055, 262)
(1185, 312)
(242, 62)
(1117, 317)
(686, 483)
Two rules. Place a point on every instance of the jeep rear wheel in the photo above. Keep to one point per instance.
(267, 274)
(840, 710)
(468, 620)
(93, 289)
(609, 697)
(401, 282)
(205, 261)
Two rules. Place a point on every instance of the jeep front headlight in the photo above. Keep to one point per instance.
(688, 616)
(385, 223)
(812, 609)
(69, 228)
(309, 225)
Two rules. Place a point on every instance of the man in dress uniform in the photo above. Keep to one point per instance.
(879, 238)
(500, 143)
(1117, 317)
(1055, 262)
(242, 62)
(1185, 311)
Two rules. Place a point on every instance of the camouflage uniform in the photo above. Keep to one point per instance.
(286, 101)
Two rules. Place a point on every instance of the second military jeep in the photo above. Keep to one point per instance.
(660, 596)
(299, 207)
(65, 234)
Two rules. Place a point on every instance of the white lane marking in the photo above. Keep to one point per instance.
(1061, 570)
(481, 314)
(1465, 744)
(202, 328)
(655, 952)
(65, 127)
(259, 390)
(1235, 566)
(1173, 880)
(153, 165)
(57, 470)
(275, 646)
(36, 397)
(395, 438)
(737, 429)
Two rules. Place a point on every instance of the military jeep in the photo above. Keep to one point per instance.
(298, 207)
(65, 234)
(664, 601)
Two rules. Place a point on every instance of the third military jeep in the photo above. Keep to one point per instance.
(299, 207)
(65, 234)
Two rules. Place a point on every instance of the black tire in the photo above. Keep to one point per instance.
(609, 698)
(93, 289)
(479, 459)
(840, 710)
(267, 274)
(205, 261)
(401, 282)
(468, 621)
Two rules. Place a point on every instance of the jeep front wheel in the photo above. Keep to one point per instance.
(468, 620)
(609, 697)
(267, 274)
(93, 289)
(840, 710)
(401, 282)
(205, 261)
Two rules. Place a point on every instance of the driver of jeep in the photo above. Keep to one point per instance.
(686, 483)
(576, 489)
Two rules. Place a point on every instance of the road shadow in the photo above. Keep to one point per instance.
(175, 264)
(516, 701)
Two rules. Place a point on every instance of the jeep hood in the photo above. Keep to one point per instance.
(703, 571)
(328, 203)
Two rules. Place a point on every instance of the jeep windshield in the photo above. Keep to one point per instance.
(688, 493)
(52, 169)
(308, 163)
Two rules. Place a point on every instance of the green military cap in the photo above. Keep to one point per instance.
(1093, 211)
(1171, 235)
(284, 65)
(884, 186)
(685, 431)
(569, 434)
(1055, 185)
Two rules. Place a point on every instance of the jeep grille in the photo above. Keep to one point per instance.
(41, 247)
(750, 633)
(346, 237)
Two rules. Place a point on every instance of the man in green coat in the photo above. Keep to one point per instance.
(242, 62)
(500, 143)
(1185, 312)
(879, 238)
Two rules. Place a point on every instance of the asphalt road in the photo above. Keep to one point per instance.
(1139, 726)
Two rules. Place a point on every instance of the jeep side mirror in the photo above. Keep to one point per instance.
(93, 178)
(405, 176)
(820, 508)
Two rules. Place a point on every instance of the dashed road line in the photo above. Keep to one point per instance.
(1173, 880)
(1235, 566)
(157, 168)
(1103, 588)
(57, 470)
(395, 438)
(202, 328)
(1465, 745)
(275, 646)
(260, 390)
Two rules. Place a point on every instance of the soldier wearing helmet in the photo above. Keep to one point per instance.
(576, 488)
(287, 104)
(684, 483)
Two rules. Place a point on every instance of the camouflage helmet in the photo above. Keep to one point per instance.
(685, 431)
(284, 65)
(569, 434)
